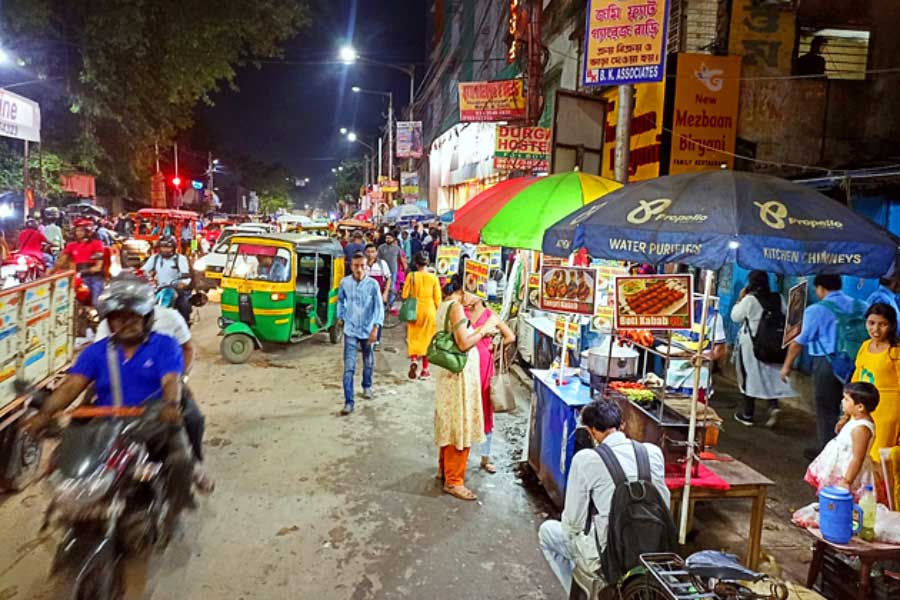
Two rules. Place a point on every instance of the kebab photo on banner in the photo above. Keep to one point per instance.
(711, 219)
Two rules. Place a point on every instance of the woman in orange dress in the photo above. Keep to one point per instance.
(426, 289)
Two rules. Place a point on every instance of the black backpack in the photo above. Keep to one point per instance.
(769, 338)
(639, 520)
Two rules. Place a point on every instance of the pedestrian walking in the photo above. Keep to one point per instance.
(390, 252)
(756, 379)
(458, 416)
(482, 317)
(878, 363)
(379, 270)
(819, 336)
(425, 288)
(360, 311)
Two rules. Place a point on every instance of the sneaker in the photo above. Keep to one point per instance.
(367, 394)
(413, 367)
(425, 374)
(743, 419)
(348, 408)
(773, 417)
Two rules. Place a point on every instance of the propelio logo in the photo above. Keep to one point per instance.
(657, 211)
(775, 215)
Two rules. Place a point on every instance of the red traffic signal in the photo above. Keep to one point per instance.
(176, 181)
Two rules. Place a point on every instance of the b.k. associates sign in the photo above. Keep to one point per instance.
(20, 118)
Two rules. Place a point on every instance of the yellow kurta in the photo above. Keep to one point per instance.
(458, 416)
(425, 288)
(883, 371)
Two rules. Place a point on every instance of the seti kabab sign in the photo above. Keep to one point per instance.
(20, 118)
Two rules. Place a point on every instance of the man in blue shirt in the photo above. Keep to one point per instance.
(819, 336)
(360, 310)
(150, 363)
(886, 293)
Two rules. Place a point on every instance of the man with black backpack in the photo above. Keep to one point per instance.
(833, 330)
(608, 486)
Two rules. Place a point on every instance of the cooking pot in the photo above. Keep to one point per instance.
(624, 363)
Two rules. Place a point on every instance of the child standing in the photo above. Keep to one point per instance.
(845, 459)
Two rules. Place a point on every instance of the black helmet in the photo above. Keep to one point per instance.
(167, 240)
(128, 294)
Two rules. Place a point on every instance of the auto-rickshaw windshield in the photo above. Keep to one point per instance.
(258, 263)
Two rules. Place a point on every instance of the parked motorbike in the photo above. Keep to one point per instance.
(109, 493)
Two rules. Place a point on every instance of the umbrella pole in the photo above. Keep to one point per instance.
(692, 428)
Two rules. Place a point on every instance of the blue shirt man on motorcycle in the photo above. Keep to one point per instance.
(148, 368)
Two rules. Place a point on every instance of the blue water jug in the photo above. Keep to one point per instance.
(836, 510)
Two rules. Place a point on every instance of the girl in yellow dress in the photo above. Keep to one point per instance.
(425, 288)
(878, 362)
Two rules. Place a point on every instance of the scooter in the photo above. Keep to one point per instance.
(167, 296)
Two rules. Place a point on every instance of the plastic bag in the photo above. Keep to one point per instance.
(808, 516)
(887, 525)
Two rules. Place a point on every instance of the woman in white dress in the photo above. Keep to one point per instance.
(458, 416)
(756, 379)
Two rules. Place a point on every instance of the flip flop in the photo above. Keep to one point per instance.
(488, 466)
(460, 491)
(413, 367)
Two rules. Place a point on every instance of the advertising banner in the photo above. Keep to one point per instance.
(646, 132)
(492, 100)
(604, 310)
(764, 36)
(704, 127)
(409, 184)
(409, 139)
(793, 320)
(625, 41)
(653, 302)
(534, 289)
(568, 289)
(447, 260)
(20, 118)
(567, 332)
(476, 277)
(489, 255)
(522, 148)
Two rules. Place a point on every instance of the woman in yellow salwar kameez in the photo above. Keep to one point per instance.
(425, 288)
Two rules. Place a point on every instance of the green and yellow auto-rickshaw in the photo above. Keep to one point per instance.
(278, 287)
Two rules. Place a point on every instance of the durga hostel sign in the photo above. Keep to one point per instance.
(522, 148)
(20, 118)
(625, 41)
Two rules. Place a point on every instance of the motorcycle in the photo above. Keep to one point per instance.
(109, 493)
(86, 316)
(167, 296)
(20, 268)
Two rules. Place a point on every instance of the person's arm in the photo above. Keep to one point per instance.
(437, 296)
(464, 340)
(741, 310)
(387, 281)
(187, 349)
(794, 351)
(63, 396)
(860, 437)
(171, 368)
(508, 336)
(342, 299)
(404, 294)
(578, 495)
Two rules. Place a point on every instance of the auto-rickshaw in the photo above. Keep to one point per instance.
(278, 287)
(152, 223)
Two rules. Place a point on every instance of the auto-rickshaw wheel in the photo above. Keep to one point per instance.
(236, 348)
(335, 334)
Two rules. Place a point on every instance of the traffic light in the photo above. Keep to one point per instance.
(176, 181)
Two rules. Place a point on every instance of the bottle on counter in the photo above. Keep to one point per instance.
(869, 506)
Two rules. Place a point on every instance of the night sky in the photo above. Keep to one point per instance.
(290, 114)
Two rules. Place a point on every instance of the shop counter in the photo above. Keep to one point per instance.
(554, 418)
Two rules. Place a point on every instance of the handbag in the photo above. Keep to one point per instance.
(502, 397)
(409, 310)
(443, 351)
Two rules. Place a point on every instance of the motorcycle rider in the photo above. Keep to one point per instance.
(168, 267)
(32, 242)
(151, 364)
(85, 254)
(52, 230)
(168, 321)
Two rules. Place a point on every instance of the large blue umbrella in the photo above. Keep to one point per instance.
(713, 218)
(408, 212)
(447, 217)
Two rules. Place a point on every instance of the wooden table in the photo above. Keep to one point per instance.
(867, 552)
(745, 483)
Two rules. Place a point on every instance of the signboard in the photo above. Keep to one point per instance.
(796, 306)
(492, 100)
(653, 302)
(566, 333)
(568, 289)
(704, 125)
(764, 35)
(625, 41)
(158, 191)
(447, 260)
(409, 139)
(534, 289)
(604, 309)
(522, 148)
(409, 185)
(390, 187)
(646, 132)
(489, 255)
(20, 118)
(476, 277)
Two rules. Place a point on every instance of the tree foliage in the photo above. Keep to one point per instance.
(45, 170)
(131, 72)
(349, 179)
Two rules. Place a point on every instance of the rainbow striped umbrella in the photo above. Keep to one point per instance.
(516, 212)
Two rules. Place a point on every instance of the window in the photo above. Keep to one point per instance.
(259, 263)
(836, 53)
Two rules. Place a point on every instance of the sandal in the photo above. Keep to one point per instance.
(424, 374)
(413, 367)
(488, 466)
(460, 491)
(204, 483)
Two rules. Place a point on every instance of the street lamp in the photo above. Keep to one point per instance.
(349, 55)
(343, 130)
(351, 136)
(4, 57)
(390, 124)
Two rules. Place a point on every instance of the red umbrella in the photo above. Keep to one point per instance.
(474, 215)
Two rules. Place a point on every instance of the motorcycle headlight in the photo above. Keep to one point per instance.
(76, 495)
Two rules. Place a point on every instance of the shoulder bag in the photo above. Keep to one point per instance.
(443, 351)
(409, 310)
(502, 396)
